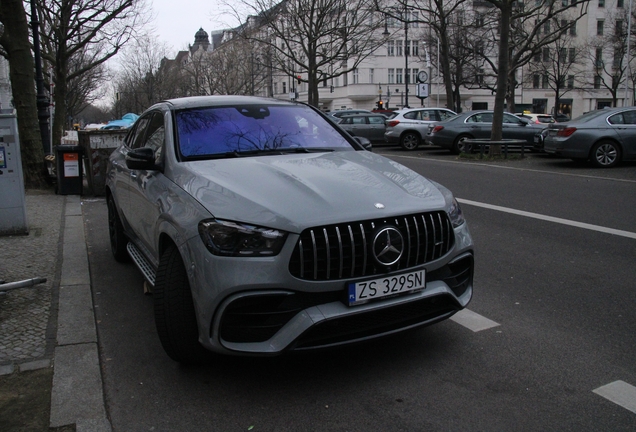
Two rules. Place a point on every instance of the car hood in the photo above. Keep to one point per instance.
(296, 191)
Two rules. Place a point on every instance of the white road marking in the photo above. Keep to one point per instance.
(391, 155)
(620, 393)
(598, 228)
(473, 321)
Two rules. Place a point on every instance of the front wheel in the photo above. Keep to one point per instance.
(118, 240)
(410, 141)
(606, 154)
(175, 317)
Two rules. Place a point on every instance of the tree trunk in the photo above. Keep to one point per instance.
(59, 118)
(502, 78)
(15, 40)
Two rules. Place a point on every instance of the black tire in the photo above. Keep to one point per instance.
(410, 141)
(175, 317)
(118, 239)
(605, 154)
(460, 147)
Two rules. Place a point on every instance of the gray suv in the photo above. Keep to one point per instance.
(263, 228)
(409, 127)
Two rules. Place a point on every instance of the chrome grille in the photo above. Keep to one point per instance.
(342, 251)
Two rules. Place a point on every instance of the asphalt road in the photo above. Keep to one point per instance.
(559, 295)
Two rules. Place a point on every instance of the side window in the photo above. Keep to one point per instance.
(485, 117)
(443, 115)
(156, 136)
(346, 120)
(358, 120)
(629, 117)
(510, 119)
(141, 125)
(411, 115)
(616, 119)
(376, 120)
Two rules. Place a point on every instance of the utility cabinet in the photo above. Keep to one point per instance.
(12, 199)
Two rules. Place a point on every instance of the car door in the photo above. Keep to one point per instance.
(516, 128)
(625, 125)
(122, 172)
(478, 125)
(147, 187)
(358, 125)
(376, 128)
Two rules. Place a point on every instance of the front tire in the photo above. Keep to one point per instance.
(606, 154)
(118, 240)
(175, 317)
(410, 141)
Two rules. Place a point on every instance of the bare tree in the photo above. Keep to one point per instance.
(143, 79)
(559, 67)
(519, 38)
(608, 54)
(315, 40)
(70, 27)
(16, 47)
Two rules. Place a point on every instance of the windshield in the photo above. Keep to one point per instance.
(214, 131)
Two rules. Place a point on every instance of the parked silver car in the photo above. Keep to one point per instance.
(604, 137)
(409, 127)
(452, 133)
(263, 228)
(370, 126)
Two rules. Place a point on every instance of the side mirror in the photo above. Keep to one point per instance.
(142, 158)
(364, 142)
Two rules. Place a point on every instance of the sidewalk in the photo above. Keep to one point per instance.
(52, 325)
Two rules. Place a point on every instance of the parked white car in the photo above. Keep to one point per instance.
(409, 127)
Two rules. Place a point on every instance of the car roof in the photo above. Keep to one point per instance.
(221, 100)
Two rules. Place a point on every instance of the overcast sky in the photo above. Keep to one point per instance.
(178, 20)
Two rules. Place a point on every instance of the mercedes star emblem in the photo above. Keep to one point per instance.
(388, 246)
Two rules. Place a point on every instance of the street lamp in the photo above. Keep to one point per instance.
(406, 57)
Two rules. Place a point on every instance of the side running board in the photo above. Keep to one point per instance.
(142, 263)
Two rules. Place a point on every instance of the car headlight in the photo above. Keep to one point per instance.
(455, 214)
(237, 239)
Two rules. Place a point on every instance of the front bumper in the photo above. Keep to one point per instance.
(254, 306)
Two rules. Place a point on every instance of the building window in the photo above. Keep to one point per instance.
(537, 57)
(620, 3)
(570, 82)
(390, 48)
(275, 88)
(355, 76)
(407, 48)
(563, 55)
(371, 80)
(284, 87)
(597, 81)
(601, 3)
(545, 81)
(479, 20)
(563, 3)
(598, 62)
(480, 76)
(619, 27)
(546, 54)
(536, 79)
(398, 76)
(415, 46)
(573, 28)
(391, 76)
(398, 50)
(618, 56)
(546, 27)
(572, 54)
(599, 27)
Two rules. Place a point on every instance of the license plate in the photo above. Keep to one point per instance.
(361, 292)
